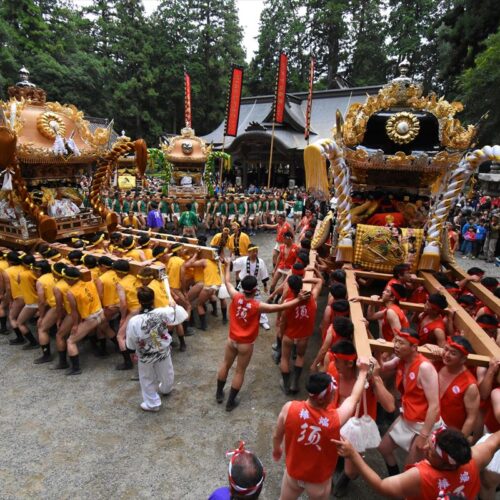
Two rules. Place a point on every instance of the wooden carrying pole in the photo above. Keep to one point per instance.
(478, 338)
(361, 336)
(135, 266)
(472, 359)
(485, 348)
(480, 291)
(205, 252)
(374, 275)
(160, 236)
(410, 306)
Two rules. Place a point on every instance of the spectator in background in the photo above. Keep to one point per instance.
(468, 245)
(491, 245)
(188, 221)
(479, 239)
(155, 219)
(465, 226)
(452, 236)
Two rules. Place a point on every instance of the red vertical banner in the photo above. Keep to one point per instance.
(309, 100)
(233, 102)
(279, 100)
(187, 100)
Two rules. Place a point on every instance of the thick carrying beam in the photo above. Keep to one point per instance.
(479, 291)
(135, 266)
(478, 338)
(153, 234)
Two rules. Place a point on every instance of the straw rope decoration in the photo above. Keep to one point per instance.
(104, 172)
(342, 187)
(458, 179)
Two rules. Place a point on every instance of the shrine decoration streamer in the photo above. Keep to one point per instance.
(187, 99)
(279, 100)
(307, 129)
(233, 102)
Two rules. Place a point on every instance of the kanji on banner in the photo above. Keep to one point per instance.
(233, 102)
(279, 101)
(187, 100)
(309, 100)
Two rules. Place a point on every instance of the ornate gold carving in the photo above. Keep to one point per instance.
(97, 139)
(399, 160)
(49, 124)
(36, 95)
(423, 163)
(14, 106)
(96, 143)
(452, 134)
(186, 148)
(402, 127)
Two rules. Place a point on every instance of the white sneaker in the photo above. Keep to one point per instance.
(145, 407)
(266, 326)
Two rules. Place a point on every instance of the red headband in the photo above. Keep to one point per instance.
(407, 336)
(444, 456)
(298, 272)
(239, 489)
(487, 325)
(340, 313)
(436, 308)
(457, 346)
(345, 357)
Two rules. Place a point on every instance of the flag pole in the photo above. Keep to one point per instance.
(270, 158)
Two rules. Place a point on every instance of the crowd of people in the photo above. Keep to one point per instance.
(474, 228)
(449, 425)
(155, 210)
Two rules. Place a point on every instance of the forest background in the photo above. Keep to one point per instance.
(113, 61)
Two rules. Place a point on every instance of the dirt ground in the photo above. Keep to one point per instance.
(86, 437)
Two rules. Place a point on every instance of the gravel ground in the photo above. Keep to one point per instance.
(86, 437)
(466, 263)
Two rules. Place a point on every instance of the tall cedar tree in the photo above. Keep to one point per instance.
(461, 35)
(480, 91)
(282, 28)
(218, 45)
(133, 69)
(367, 63)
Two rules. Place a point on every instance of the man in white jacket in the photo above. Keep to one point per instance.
(252, 265)
(147, 334)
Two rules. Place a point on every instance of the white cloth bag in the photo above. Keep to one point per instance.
(362, 431)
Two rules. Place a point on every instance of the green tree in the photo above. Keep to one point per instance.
(327, 28)
(408, 31)
(133, 74)
(282, 28)
(175, 38)
(461, 35)
(218, 46)
(480, 92)
(367, 61)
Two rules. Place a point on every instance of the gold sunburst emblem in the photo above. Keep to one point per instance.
(402, 127)
(49, 124)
